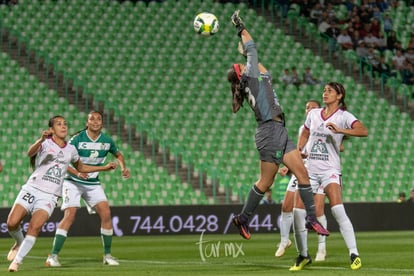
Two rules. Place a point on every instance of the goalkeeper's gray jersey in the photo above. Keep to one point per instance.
(258, 88)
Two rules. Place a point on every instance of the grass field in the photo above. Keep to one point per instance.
(382, 253)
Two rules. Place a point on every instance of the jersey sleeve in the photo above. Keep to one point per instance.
(75, 155)
(74, 140)
(113, 148)
(252, 66)
(350, 119)
(308, 120)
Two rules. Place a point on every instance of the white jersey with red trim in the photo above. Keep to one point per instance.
(51, 165)
(323, 146)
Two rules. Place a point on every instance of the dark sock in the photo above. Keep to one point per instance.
(253, 199)
(306, 194)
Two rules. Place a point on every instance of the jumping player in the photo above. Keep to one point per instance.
(93, 147)
(323, 133)
(253, 83)
(39, 196)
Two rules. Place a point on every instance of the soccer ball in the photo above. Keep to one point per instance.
(206, 24)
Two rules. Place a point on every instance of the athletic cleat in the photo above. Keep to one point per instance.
(320, 255)
(109, 260)
(13, 267)
(243, 227)
(13, 252)
(282, 247)
(355, 262)
(52, 261)
(313, 224)
(300, 263)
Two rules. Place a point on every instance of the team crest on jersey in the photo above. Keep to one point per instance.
(279, 154)
(319, 151)
(53, 174)
(94, 154)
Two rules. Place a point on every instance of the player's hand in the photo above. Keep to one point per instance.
(332, 127)
(82, 175)
(240, 48)
(237, 22)
(283, 171)
(46, 134)
(126, 173)
(111, 166)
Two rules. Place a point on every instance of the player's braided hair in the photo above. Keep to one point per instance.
(340, 89)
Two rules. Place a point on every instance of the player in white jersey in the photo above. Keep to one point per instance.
(93, 147)
(323, 132)
(288, 203)
(39, 196)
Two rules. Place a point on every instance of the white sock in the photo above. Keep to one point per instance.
(17, 235)
(346, 228)
(301, 233)
(61, 232)
(321, 238)
(25, 247)
(286, 222)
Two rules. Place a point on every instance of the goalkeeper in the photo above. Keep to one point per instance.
(253, 83)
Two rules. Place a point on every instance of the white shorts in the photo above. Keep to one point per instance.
(33, 199)
(293, 185)
(323, 180)
(72, 192)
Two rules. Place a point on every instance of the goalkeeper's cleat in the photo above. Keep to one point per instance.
(282, 248)
(14, 267)
(13, 252)
(52, 261)
(355, 262)
(242, 226)
(300, 263)
(313, 224)
(108, 259)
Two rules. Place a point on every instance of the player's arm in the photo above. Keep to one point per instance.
(303, 138)
(83, 168)
(125, 172)
(358, 129)
(78, 174)
(244, 35)
(34, 148)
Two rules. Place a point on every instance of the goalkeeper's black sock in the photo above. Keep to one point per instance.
(306, 194)
(253, 199)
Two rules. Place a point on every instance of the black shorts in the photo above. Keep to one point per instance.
(272, 142)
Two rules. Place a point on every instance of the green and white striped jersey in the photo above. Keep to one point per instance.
(92, 152)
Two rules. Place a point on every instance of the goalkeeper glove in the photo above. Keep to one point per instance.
(237, 22)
